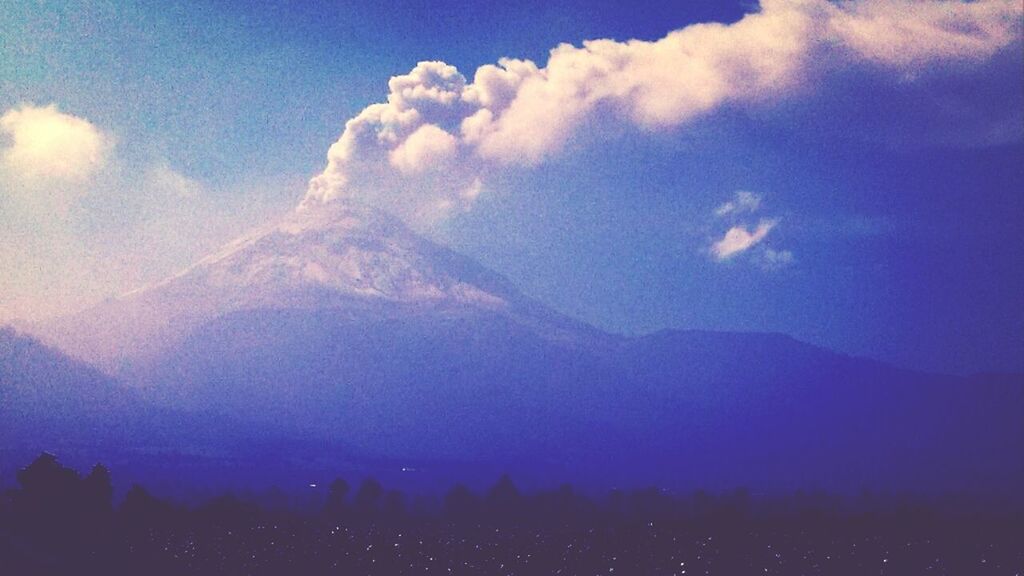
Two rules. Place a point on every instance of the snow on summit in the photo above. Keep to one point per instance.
(336, 257)
(347, 250)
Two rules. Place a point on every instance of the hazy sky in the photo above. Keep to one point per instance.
(850, 174)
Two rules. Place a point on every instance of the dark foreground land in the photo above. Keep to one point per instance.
(58, 522)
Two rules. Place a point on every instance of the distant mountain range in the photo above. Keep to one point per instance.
(338, 326)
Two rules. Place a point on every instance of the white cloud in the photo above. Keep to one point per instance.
(164, 181)
(49, 145)
(775, 259)
(739, 239)
(910, 36)
(429, 147)
(516, 113)
(430, 84)
(742, 202)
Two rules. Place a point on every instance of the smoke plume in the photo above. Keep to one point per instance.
(428, 150)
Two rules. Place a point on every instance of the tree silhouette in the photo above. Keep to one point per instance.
(48, 485)
(393, 509)
(98, 490)
(54, 524)
(367, 499)
(504, 500)
(336, 499)
(56, 512)
(50, 495)
(461, 504)
(140, 508)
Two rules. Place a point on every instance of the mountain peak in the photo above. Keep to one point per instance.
(339, 250)
(335, 257)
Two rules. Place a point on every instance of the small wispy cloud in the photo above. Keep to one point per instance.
(743, 202)
(739, 239)
(775, 259)
(164, 180)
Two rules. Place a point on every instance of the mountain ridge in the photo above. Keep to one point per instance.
(336, 256)
(341, 324)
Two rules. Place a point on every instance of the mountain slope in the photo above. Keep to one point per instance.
(48, 399)
(676, 409)
(338, 324)
(336, 257)
(50, 402)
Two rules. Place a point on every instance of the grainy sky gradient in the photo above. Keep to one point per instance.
(861, 191)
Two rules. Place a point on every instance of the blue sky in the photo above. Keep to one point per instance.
(887, 177)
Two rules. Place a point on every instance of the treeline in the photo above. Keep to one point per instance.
(60, 522)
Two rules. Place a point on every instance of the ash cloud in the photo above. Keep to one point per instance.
(428, 150)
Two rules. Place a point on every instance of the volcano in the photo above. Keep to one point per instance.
(339, 324)
(333, 257)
